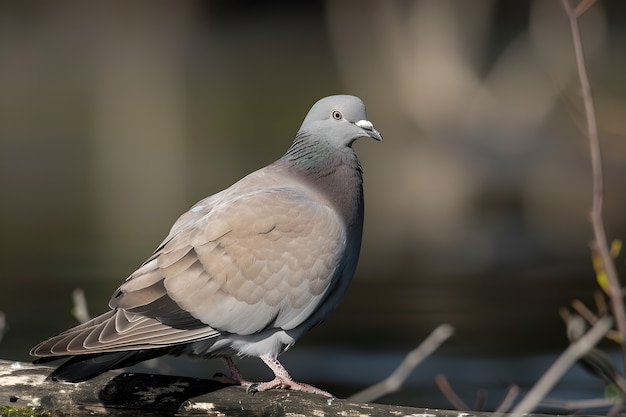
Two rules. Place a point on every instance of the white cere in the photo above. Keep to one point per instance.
(365, 124)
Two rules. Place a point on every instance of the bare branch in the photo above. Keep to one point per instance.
(394, 381)
(481, 400)
(79, 310)
(448, 392)
(582, 309)
(3, 324)
(579, 404)
(583, 6)
(597, 222)
(507, 402)
(562, 364)
(614, 411)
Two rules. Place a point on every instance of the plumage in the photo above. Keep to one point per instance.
(245, 271)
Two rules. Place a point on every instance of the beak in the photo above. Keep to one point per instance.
(368, 127)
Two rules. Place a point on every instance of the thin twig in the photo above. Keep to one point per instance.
(3, 324)
(562, 364)
(600, 301)
(595, 215)
(597, 362)
(394, 381)
(79, 310)
(507, 402)
(578, 404)
(614, 411)
(582, 309)
(481, 400)
(583, 6)
(592, 318)
(448, 392)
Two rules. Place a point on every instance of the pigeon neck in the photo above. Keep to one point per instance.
(335, 172)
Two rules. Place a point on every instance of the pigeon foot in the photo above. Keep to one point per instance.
(290, 384)
(282, 379)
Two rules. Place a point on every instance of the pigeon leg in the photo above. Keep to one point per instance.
(235, 374)
(283, 380)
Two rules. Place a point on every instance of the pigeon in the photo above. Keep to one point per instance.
(244, 272)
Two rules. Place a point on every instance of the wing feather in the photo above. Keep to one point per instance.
(118, 330)
(276, 255)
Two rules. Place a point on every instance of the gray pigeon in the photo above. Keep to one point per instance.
(246, 271)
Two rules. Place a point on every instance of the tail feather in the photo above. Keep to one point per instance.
(83, 367)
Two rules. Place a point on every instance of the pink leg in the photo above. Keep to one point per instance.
(235, 374)
(282, 379)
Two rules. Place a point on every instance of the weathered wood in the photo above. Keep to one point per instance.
(24, 386)
(124, 394)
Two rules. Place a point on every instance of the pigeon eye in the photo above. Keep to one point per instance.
(337, 115)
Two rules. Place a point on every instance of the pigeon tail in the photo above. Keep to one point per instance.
(84, 367)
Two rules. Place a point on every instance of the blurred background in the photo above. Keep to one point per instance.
(115, 117)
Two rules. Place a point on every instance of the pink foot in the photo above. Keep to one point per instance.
(287, 383)
(282, 379)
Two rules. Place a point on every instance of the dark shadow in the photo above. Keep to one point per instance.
(154, 392)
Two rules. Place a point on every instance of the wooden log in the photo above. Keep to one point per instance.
(24, 390)
(24, 386)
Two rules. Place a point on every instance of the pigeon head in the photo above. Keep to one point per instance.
(340, 120)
